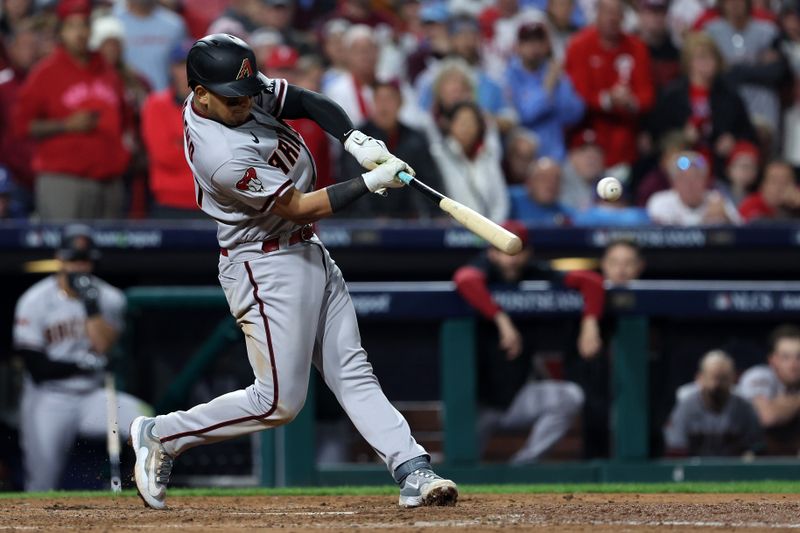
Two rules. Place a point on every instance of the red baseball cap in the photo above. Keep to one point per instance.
(282, 57)
(66, 8)
(743, 148)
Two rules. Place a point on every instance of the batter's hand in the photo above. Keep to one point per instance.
(385, 175)
(369, 152)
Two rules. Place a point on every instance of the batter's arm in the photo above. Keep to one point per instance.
(302, 103)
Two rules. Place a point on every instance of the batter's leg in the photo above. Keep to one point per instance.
(48, 426)
(343, 363)
(277, 300)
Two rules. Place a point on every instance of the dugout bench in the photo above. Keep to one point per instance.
(287, 453)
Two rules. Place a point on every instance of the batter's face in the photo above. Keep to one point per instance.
(231, 111)
(785, 360)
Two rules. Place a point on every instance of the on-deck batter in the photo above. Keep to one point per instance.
(254, 175)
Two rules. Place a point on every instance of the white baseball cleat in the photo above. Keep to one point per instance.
(424, 487)
(153, 464)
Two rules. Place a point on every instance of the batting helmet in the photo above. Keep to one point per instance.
(77, 244)
(225, 65)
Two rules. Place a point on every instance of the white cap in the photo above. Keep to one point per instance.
(105, 28)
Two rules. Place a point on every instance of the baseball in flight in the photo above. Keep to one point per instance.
(609, 189)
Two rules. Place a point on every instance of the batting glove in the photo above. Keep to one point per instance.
(384, 175)
(369, 152)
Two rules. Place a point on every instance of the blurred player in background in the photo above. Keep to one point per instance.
(508, 399)
(774, 391)
(709, 419)
(64, 327)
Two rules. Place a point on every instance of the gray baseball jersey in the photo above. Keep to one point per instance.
(291, 303)
(699, 431)
(54, 412)
(760, 380)
(240, 172)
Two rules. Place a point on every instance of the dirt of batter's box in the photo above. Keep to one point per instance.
(478, 512)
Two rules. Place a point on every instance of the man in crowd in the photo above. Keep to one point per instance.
(689, 202)
(711, 420)
(536, 202)
(611, 72)
(64, 327)
(151, 33)
(508, 399)
(405, 142)
(171, 181)
(665, 59)
(72, 105)
(542, 94)
(774, 391)
(582, 170)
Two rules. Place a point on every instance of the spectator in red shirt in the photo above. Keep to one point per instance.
(16, 151)
(73, 105)
(611, 72)
(171, 181)
(778, 196)
(507, 398)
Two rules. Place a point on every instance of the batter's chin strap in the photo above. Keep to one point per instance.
(402, 471)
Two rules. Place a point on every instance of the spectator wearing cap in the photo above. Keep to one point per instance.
(406, 143)
(536, 202)
(508, 397)
(611, 71)
(665, 59)
(470, 166)
(542, 94)
(16, 151)
(9, 207)
(703, 105)
(742, 172)
(435, 42)
(108, 39)
(709, 419)
(171, 183)
(755, 64)
(151, 32)
(72, 104)
(689, 202)
(465, 45)
(582, 170)
(777, 197)
(522, 148)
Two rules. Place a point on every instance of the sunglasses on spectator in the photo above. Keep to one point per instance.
(685, 162)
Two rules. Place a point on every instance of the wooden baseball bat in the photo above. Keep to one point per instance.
(494, 234)
(112, 432)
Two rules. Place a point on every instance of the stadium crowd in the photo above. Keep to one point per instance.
(514, 107)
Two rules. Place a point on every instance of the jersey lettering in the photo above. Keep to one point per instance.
(289, 149)
(60, 331)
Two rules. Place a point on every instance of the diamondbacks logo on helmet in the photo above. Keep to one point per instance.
(245, 71)
(250, 181)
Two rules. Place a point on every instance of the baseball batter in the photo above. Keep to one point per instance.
(254, 175)
(63, 327)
